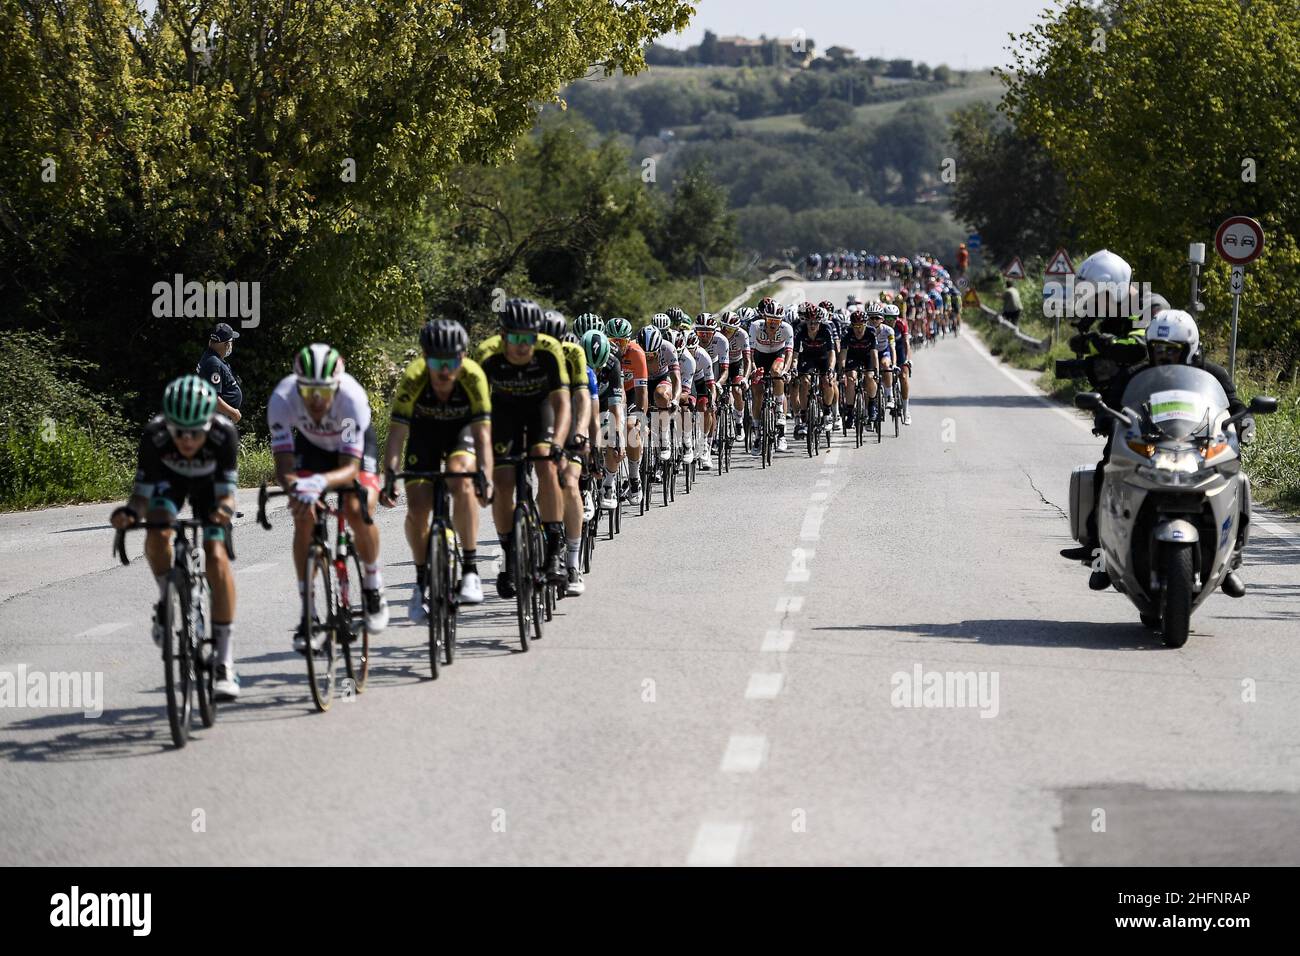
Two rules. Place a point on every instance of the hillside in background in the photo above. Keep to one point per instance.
(838, 152)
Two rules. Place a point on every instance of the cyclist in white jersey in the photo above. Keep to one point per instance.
(740, 357)
(772, 341)
(322, 438)
(709, 331)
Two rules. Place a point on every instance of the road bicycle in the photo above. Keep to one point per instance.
(534, 595)
(767, 418)
(333, 602)
(189, 651)
(443, 563)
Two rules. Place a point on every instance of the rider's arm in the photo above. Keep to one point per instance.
(561, 410)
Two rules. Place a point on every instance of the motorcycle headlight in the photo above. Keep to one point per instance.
(1177, 462)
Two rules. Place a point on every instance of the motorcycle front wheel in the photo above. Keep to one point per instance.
(1176, 619)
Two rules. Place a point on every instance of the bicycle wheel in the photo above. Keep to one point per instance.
(321, 618)
(897, 411)
(541, 589)
(355, 635)
(452, 590)
(205, 659)
(878, 416)
(177, 664)
(859, 413)
(525, 599)
(435, 563)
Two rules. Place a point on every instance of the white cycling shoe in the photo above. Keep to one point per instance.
(780, 444)
(907, 419)
(226, 687)
(471, 588)
(706, 462)
(417, 612)
(376, 610)
(608, 498)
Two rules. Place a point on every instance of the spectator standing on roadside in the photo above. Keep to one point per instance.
(1011, 304)
(212, 368)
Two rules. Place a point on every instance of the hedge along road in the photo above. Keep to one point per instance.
(750, 678)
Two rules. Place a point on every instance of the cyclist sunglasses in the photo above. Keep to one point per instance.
(188, 433)
(449, 364)
(521, 338)
(620, 343)
(317, 391)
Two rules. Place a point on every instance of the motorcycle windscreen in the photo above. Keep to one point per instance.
(1182, 398)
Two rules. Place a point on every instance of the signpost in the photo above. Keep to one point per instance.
(970, 299)
(1014, 271)
(1239, 241)
(1059, 269)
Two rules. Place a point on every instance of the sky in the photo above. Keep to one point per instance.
(965, 34)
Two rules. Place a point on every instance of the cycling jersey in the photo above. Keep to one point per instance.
(857, 351)
(342, 429)
(703, 367)
(766, 343)
(719, 353)
(545, 372)
(737, 346)
(686, 366)
(884, 336)
(815, 353)
(901, 340)
(661, 363)
(163, 475)
(634, 367)
(575, 364)
(609, 382)
(415, 400)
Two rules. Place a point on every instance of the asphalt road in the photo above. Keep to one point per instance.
(729, 690)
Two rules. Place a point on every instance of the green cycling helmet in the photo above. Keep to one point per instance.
(189, 402)
(587, 322)
(596, 344)
(618, 328)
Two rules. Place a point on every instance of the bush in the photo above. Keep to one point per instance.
(58, 464)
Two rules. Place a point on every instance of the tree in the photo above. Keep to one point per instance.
(697, 223)
(257, 141)
(829, 115)
(708, 52)
(909, 143)
(1164, 117)
(942, 74)
(1007, 188)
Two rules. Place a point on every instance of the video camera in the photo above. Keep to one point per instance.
(1098, 356)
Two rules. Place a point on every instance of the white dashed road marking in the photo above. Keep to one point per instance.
(777, 642)
(100, 630)
(764, 686)
(744, 754)
(716, 844)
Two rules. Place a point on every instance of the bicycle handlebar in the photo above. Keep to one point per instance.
(264, 495)
(176, 524)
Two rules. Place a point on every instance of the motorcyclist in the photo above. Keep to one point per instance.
(1173, 339)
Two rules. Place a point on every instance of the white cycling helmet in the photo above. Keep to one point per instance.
(1107, 290)
(1173, 327)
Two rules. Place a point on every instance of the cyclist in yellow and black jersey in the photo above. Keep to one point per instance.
(442, 411)
(582, 394)
(529, 382)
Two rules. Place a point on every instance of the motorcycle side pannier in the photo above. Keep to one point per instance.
(1081, 499)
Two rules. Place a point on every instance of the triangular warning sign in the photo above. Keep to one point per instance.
(1060, 265)
(970, 300)
(1016, 270)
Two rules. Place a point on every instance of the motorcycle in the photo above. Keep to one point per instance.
(1174, 504)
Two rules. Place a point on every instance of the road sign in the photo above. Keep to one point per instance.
(970, 300)
(1060, 265)
(973, 241)
(1016, 270)
(1239, 240)
(1237, 284)
(962, 283)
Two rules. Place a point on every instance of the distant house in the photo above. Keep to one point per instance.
(739, 51)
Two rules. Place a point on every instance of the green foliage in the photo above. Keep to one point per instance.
(59, 465)
(1155, 112)
(224, 156)
(828, 115)
(697, 225)
(1007, 188)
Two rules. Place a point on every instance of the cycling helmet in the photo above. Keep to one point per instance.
(1176, 327)
(857, 315)
(189, 402)
(618, 328)
(571, 338)
(806, 310)
(731, 320)
(676, 315)
(650, 339)
(318, 364)
(891, 310)
(553, 324)
(709, 322)
(748, 315)
(818, 315)
(692, 340)
(661, 321)
(587, 322)
(769, 308)
(875, 310)
(596, 344)
(443, 337)
(826, 304)
(521, 315)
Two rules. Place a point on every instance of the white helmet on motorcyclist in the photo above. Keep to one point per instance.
(1172, 338)
(1107, 290)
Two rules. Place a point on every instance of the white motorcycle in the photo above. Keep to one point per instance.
(1173, 495)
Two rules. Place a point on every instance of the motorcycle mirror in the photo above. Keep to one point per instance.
(1263, 405)
(1088, 401)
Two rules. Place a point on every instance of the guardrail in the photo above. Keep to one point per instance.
(781, 275)
(1038, 345)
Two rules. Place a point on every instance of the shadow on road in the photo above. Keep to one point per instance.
(1028, 633)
